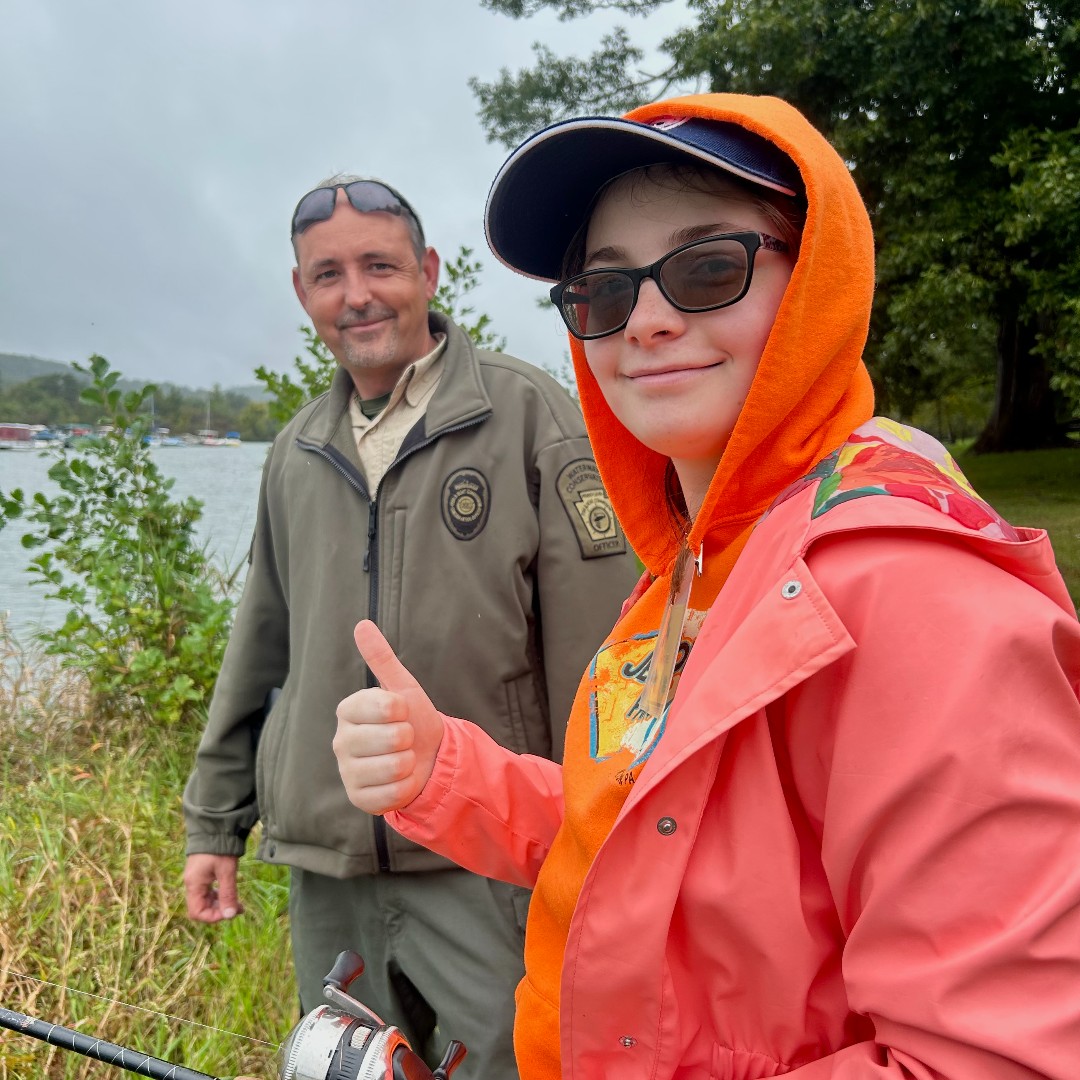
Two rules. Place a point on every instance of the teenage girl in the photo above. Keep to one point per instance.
(819, 814)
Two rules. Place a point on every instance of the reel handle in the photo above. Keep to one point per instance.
(407, 1065)
(455, 1054)
(348, 966)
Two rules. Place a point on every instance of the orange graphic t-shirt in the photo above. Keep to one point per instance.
(609, 740)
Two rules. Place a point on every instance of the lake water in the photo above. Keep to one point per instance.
(224, 478)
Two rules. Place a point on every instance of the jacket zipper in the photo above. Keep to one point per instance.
(371, 567)
(382, 848)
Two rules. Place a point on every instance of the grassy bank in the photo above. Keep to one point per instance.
(1039, 488)
(91, 900)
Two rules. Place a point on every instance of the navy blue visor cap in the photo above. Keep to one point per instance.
(547, 186)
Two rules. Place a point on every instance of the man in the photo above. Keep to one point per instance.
(450, 495)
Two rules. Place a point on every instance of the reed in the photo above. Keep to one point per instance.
(93, 933)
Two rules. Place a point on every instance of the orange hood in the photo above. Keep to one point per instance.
(811, 389)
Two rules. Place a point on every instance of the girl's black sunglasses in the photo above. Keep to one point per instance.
(702, 275)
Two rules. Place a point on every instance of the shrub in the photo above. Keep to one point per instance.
(149, 611)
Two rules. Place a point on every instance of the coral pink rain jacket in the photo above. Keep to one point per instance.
(853, 850)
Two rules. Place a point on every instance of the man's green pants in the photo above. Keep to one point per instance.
(443, 954)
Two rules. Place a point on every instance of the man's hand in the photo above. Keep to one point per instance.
(210, 887)
(387, 737)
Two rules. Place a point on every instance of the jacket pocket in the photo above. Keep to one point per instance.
(267, 752)
(392, 616)
(528, 725)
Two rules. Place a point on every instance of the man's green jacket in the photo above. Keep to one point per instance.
(490, 559)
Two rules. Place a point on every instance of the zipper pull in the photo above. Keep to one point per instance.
(370, 537)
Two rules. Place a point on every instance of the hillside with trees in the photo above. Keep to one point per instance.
(37, 391)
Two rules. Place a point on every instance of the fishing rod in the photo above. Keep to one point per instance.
(99, 1049)
(340, 1040)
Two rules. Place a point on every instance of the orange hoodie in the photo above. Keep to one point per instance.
(812, 388)
(810, 392)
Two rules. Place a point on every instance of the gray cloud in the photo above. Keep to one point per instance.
(151, 152)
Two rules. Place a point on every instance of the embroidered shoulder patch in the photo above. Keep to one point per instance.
(589, 509)
(466, 503)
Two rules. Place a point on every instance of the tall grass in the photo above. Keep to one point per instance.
(93, 933)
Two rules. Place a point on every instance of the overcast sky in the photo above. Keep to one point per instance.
(151, 153)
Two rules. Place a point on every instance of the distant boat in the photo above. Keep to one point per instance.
(161, 436)
(207, 437)
(17, 436)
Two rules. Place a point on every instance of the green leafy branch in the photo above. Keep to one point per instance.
(148, 611)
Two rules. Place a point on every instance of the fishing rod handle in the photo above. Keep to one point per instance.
(132, 1060)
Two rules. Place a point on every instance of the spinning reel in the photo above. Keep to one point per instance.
(341, 1040)
(344, 1040)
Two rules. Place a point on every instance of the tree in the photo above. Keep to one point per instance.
(315, 370)
(45, 399)
(255, 423)
(56, 401)
(961, 124)
(462, 276)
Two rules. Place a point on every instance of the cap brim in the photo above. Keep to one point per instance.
(541, 194)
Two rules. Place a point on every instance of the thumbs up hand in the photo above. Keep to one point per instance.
(388, 736)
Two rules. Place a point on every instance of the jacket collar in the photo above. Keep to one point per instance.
(752, 649)
(774, 627)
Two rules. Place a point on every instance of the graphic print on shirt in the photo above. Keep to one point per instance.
(621, 733)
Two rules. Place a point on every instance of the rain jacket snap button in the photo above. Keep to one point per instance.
(628, 1041)
(790, 589)
(666, 826)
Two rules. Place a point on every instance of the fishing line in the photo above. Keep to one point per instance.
(139, 1008)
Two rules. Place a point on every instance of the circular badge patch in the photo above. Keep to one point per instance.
(466, 502)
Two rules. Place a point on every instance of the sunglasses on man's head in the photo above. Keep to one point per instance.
(364, 195)
(702, 275)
